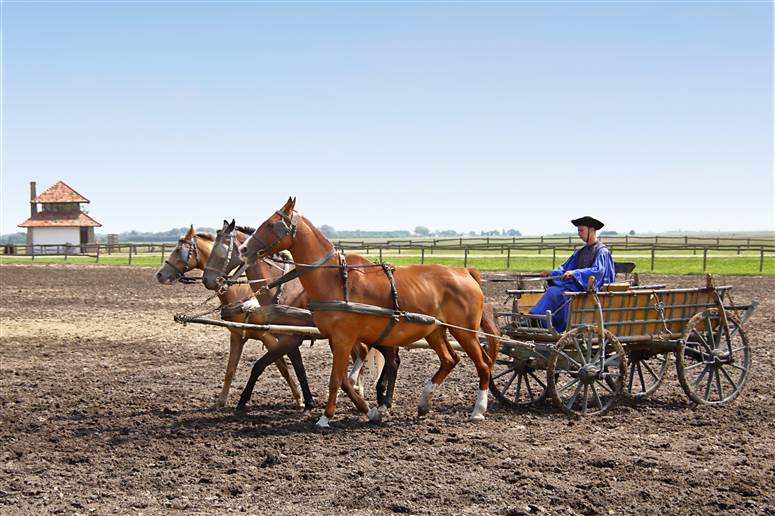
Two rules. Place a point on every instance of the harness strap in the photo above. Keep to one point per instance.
(345, 276)
(279, 291)
(295, 273)
(394, 295)
(380, 311)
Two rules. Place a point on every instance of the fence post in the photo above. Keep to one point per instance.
(162, 254)
(508, 258)
(98, 253)
(652, 258)
(422, 255)
(380, 255)
(554, 256)
(130, 255)
(465, 257)
(541, 245)
(67, 248)
(761, 260)
(738, 250)
(704, 259)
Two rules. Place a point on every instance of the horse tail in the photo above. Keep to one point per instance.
(376, 363)
(488, 326)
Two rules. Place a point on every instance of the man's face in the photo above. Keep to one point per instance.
(583, 233)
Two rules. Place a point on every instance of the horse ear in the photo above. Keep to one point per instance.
(225, 223)
(232, 224)
(190, 232)
(290, 205)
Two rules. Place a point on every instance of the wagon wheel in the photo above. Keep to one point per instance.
(646, 372)
(515, 382)
(713, 360)
(585, 378)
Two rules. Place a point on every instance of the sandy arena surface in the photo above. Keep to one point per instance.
(105, 406)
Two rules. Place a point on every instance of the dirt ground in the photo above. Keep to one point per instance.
(105, 406)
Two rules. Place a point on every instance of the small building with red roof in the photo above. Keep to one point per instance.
(60, 220)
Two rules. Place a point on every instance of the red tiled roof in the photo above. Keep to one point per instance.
(60, 192)
(59, 218)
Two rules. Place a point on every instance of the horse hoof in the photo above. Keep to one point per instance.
(476, 417)
(322, 423)
(422, 411)
(374, 415)
(241, 410)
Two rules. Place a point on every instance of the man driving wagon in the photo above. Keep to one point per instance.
(594, 259)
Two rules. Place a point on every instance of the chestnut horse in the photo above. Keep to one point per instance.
(192, 252)
(451, 298)
(224, 258)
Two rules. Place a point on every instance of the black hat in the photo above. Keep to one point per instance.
(587, 221)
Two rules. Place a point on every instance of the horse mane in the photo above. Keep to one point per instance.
(206, 236)
(245, 229)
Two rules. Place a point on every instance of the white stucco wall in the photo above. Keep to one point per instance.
(56, 235)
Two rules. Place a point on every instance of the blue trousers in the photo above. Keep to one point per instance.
(552, 300)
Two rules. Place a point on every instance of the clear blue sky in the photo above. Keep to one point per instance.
(465, 116)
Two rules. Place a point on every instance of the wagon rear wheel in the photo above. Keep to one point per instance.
(646, 372)
(713, 360)
(586, 377)
(516, 383)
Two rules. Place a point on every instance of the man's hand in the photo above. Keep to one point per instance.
(567, 275)
(544, 274)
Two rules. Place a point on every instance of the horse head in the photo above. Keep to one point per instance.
(274, 235)
(184, 257)
(223, 257)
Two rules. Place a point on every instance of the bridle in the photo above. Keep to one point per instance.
(281, 229)
(223, 271)
(190, 251)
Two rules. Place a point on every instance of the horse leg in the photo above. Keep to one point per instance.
(341, 351)
(470, 344)
(387, 378)
(283, 368)
(272, 354)
(298, 366)
(448, 360)
(356, 378)
(237, 343)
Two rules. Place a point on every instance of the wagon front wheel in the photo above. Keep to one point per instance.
(516, 383)
(714, 359)
(586, 376)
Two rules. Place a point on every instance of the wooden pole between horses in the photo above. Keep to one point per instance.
(310, 331)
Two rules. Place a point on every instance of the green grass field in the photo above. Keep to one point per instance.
(745, 264)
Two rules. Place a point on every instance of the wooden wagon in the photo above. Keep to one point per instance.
(618, 342)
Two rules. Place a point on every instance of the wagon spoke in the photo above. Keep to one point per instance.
(632, 377)
(649, 369)
(606, 387)
(740, 368)
(640, 377)
(537, 379)
(527, 385)
(702, 375)
(597, 398)
(571, 360)
(508, 384)
(512, 369)
(708, 384)
(578, 349)
(718, 385)
(702, 340)
(710, 331)
(741, 348)
(610, 360)
(698, 364)
(519, 387)
(729, 378)
(585, 400)
(568, 385)
(572, 400)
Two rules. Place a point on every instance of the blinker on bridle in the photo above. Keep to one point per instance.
(184, 255)
(281, 229)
